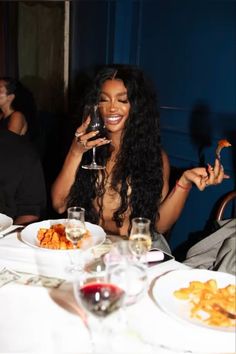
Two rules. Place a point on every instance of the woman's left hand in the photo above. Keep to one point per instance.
(204, 177)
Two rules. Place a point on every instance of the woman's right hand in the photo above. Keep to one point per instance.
(82, 140)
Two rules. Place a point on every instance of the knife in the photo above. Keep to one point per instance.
(12, 228)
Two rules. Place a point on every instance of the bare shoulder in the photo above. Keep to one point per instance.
(17, 123)
(17, 116)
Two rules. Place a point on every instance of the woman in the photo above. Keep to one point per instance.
(135, 181)
(16, 107)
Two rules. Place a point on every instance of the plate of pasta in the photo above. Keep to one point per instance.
(50, 235)
(200, 297)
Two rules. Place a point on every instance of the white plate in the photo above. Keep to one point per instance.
(29, 234)
(180, 309)
(5, 222)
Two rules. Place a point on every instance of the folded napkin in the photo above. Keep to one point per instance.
(154, 255)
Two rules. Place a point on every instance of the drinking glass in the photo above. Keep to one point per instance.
(96, 123)
(75, 229)
(122, 268)
(100, 296)
(140, 240)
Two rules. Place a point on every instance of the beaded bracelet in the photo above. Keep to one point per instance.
(182, 187)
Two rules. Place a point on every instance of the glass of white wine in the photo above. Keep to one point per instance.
(140, 240)
(75, 229)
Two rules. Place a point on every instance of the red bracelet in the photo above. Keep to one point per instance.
(182, 187)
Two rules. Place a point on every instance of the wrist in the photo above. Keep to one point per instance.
(184, 186)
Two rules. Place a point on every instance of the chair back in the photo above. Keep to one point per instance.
(229, 197)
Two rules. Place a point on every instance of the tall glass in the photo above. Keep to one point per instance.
(96, 123)
(75, 229)
(140, 240)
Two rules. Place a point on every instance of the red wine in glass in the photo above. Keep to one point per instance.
(96, 123)
(101, 299)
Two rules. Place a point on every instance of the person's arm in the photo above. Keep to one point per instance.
(173, 203)
(17, 123)
(30, 196)
(62, 185)
(25, 219)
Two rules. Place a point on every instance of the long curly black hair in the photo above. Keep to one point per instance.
(139, 161)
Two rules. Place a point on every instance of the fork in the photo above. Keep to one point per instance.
(220, 309)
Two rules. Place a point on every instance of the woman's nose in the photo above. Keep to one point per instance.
(112, 106)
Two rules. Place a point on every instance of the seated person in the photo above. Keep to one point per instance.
(135, 181)
(22, 186)
(17, 107)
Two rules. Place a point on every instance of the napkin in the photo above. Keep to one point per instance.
(153, 255)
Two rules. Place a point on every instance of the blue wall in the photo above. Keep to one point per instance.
(189, 49)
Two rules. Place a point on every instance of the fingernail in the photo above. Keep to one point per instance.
(209, 167)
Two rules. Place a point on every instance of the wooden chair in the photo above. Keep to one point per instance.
(229, 197)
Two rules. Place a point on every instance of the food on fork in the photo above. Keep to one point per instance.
(221, 144)
(210, 304)
(55, 238)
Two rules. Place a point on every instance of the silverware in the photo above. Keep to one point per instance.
(225, 312)
(13, 229)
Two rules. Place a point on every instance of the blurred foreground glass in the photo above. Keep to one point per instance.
(124, 269)
(101, 296)
(140, 240)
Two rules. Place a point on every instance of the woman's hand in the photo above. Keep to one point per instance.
(82, 140)
(204, 177)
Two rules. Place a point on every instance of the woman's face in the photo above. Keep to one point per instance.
(3, 92)
(114, 105)
(5, 98)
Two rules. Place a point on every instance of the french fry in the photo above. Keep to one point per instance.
(210, 304)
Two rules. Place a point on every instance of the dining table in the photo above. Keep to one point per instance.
(39, 313)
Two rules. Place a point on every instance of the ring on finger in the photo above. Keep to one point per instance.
(78, 134)
(83, 142)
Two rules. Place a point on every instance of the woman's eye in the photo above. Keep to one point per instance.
(103, 100)
(124, 101)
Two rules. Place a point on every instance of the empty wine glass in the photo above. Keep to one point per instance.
(123, 269)
(140, 240)
(75, 229)
(96, 123)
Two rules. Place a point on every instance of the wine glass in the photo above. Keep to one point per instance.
(100, 296)
(140, 240)
(75, 229)
(96, 123)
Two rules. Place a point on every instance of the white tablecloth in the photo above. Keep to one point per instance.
(34, 319)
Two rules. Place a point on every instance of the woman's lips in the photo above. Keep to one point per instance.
(113, 120)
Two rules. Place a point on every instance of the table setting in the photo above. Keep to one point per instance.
(43, 310)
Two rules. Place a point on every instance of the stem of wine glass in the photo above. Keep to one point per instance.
(76, 261)
(100, 334)
(94, 156)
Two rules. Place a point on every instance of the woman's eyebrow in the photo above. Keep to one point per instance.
(118, 94)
